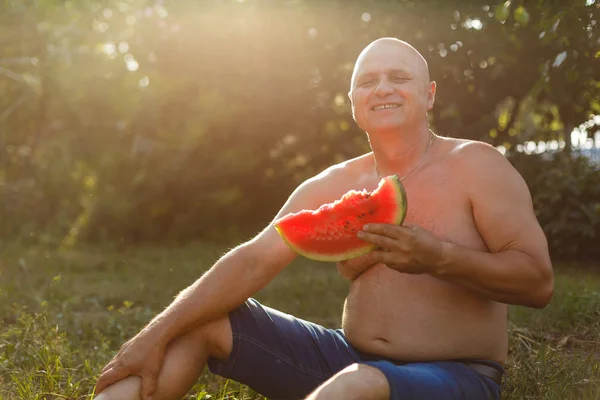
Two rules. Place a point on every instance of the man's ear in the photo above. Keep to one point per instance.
(351, 104)
(431, 89)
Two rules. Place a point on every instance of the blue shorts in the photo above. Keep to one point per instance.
(283, 357)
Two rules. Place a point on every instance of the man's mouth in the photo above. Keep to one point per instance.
(385, 106)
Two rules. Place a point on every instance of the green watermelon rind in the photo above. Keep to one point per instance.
(361, 251)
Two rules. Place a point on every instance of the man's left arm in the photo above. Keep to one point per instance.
(516, 270)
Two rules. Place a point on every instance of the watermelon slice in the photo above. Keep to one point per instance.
(329, 233)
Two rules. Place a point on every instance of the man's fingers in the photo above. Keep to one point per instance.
(393, 231)
(148, 386)
(384, 257)
(384, 242)
(353, 262)
(362, 261)
(108, 366)
(109, 377)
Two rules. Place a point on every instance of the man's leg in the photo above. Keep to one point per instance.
(185, 359)
(281, 356)
(377, 380)
(276, 354)
(357, 381)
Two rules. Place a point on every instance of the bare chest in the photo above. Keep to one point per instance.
(439, 202)
(436, 319)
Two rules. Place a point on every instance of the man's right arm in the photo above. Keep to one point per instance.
(239, 274)
(236, 276)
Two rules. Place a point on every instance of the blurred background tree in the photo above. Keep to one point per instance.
(143, 121)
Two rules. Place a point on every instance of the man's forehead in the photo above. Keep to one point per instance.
(390, 53)
(368, 68)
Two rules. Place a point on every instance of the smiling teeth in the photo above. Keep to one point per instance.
(385, 106)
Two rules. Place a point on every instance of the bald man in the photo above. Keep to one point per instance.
(426, 313)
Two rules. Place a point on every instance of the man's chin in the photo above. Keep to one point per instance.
(375, 129)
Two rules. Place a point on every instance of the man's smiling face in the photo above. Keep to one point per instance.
(390, 87)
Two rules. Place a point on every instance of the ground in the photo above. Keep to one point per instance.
(64, 313)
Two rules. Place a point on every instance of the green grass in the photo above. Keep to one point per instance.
(64, 314)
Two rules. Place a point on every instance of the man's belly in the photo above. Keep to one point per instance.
(421, 318)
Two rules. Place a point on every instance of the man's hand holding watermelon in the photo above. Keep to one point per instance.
(409, 249)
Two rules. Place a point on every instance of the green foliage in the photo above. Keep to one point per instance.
(574, 310)
(539, 369)
(566, 197)
(76, 308)
(558, 346)
(37, 361)
(144, 120)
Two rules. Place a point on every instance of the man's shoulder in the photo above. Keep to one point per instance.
(344, 170)
(483, 166)
(464, 147)
(475, 154)
(335, 180)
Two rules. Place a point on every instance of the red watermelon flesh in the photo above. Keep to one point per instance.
(329, 233)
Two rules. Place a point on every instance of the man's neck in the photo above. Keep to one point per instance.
(398, 152)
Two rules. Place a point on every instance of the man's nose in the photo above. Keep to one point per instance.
(384, 88)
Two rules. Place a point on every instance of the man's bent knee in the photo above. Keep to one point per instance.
(188, 354)
(184, 360)
(357, 381)
(218, 338)
(125, 389)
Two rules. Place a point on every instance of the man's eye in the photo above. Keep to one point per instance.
(367, 83)
(399, 78)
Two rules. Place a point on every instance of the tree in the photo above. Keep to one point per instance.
(149, 120)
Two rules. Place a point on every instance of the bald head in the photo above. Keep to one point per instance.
(396, 50)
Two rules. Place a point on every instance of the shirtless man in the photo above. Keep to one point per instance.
(425, 317)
